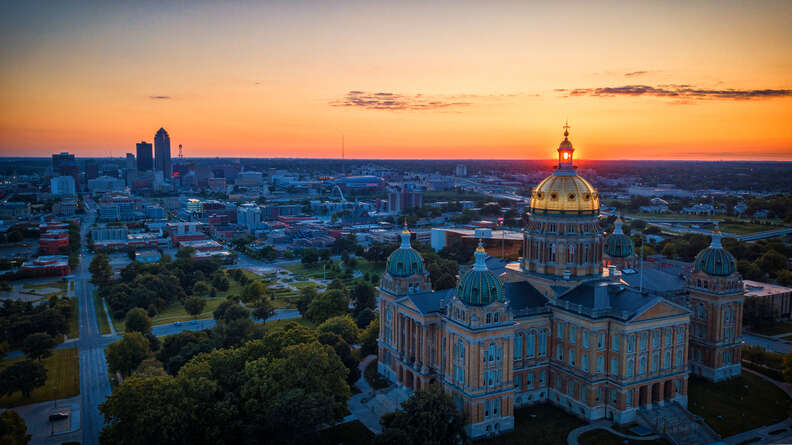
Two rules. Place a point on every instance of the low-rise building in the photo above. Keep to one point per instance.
(780, 297)
(48, 265)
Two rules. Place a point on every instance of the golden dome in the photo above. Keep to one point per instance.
(564, 193)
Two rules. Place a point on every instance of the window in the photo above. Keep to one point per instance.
(529, 345)
(614, 396)
(559, 353)
(517, 380)
(655, 361)
(668, 336)
(678, 358)
(495, 405)
(572, 334)
(529, 380)
(615, 342)
(558, 381)
(680, 335)
(585, 339)
(642, 365)
(498, 350)
(486, 408)
(489, 318)
(631, 343)
(572, 357)
(644, 341)
(614, 367)
(543, 343)
(584, 362)
(491, 356)
(600, 339)
(628, 399)
(600, 364)
(560, 330)
(655, 339)
(571, 388)
(667, 360)
(541, 378)
(518, 342)
(628, 372)
(599, 394)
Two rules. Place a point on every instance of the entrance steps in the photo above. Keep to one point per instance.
(681, 426)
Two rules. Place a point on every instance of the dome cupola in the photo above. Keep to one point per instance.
(715, 260)
(405, 260)
(564, 192)
(479, 286)
(619, 245)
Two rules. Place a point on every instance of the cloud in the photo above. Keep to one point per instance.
(681, 92)
(413, 102)
(160, 97)
(635, 73)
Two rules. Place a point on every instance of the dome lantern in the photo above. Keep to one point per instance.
(479, 286)
(565, 151)
(405, 261)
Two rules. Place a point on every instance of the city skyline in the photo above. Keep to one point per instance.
(708, 81)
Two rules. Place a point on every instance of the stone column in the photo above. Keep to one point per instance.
(660, 392)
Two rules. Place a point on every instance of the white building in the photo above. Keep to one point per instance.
(461, 170)
(249, 216)
(104, 184)
(63, 185)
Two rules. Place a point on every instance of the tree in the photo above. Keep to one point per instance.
(784, 277)
(430, 417)
(126, 354)
(343, 326)
(200, 288)
(328, 304)
(185, 253)
(307, 295)
(309, 256)
(220, 280)
(137, 320)
(39, 345)
(101, 271)
(364, 317)
(24, 376)
(253, 291)
(368, 338)
(13, 430)
(263, 309)
(194, 305)
(772, 262)
(364, 296)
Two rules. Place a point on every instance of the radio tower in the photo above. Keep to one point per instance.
(181, 158)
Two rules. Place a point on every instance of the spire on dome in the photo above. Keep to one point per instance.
(565, 151)
(617, 230)
(566, 128)
(405, 236)
(481, 257)
(716, 238)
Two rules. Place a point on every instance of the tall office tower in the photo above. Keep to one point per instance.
(91, 170)
(130, 161)
(144, 161)
(64, 164)
(162, 154)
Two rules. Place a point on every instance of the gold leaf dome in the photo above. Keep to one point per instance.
(564, 194)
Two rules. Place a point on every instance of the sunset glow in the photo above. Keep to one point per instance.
(644, 80)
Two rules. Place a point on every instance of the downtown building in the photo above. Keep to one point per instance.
(162, 153)
(559, 325)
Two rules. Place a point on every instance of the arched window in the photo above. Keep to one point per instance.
(543, 343)
(630, 367)
(491, 352)
(529, 344)
(518, 344)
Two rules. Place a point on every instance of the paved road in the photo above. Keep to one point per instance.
(770, 345)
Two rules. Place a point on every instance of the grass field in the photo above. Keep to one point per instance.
(74, 327)
(55, 284)
(603, 437)
(177, 312)
(63, 379)
(737, 405)
(101, 317)
(538, 425)
(746, 228)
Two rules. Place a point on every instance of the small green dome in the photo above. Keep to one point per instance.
(715, 260)
(479, 287)
(619, 245)
(405, 260)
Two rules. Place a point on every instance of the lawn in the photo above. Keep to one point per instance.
(74, 326)
(63, 379)
(350, 433)
(374, 379)
(538, 425)
(176, 312)
(746, 228)
(737, 405)
(56, 284)
(101, 316)
(604, 437)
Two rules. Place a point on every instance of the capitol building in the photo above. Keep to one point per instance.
(561, 325)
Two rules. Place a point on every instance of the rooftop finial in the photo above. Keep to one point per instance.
(716, 238)
(481, 257)
(566, 128)
(405, 236)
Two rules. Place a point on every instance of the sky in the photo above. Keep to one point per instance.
(417, 80)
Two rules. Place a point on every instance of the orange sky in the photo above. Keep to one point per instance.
(641, 80)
